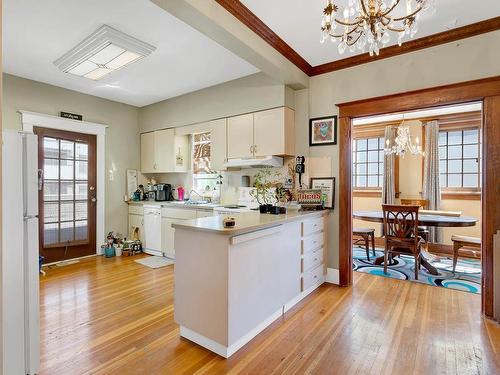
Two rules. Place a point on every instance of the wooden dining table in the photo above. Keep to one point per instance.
(426, 220)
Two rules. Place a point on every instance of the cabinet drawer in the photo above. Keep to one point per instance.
(312, 242)
(312, 277)
(312, 259)
(178, 213)
(136, 209)
(312, 225)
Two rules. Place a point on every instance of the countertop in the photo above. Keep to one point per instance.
(176, 204)
(245, 222)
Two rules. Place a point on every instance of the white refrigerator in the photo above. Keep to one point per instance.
(20, 304)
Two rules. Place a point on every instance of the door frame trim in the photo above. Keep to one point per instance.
(32, 119)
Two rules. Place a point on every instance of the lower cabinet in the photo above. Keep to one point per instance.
(135, 221)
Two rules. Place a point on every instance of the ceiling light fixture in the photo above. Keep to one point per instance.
(104, 51)
(369, 22)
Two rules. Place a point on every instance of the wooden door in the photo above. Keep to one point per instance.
(148, 162)
(240, 136)
(67, 200)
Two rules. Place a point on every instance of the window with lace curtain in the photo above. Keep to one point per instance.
(204, 178)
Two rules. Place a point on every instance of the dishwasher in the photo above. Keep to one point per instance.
(152, 230)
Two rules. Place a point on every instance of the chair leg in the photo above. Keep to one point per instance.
(373, 243)
(386, 259)
(416, 266)
(456, 247)
(367, 248)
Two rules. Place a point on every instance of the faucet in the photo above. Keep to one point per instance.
(195, 192)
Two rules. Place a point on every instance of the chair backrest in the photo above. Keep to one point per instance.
(415, 202)
(401, 221)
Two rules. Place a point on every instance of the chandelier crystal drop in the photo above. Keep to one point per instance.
(371, 22)
(403, 143)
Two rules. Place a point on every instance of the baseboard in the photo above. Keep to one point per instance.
(332, 276)
(70, 259)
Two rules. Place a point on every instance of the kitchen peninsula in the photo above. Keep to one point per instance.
(231, 283)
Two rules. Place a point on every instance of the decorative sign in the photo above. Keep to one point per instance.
(327, 187)
(132, 182)
(309, 198)
(72, 116)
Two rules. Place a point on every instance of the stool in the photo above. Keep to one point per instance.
(364, 234)
(463, 241)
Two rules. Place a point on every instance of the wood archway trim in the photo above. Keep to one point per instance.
(485, 90)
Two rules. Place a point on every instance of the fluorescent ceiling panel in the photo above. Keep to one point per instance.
(103, 52)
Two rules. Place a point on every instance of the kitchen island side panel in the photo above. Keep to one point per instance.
(201, 289)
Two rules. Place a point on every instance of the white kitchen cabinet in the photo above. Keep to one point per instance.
(148, 158)
(164, 152)
(218, 152)
(169, 216)
(135, 220)
(264, 133)
(274, 132)
(240, 136)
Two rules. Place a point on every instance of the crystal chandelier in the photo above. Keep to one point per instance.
(370, 22)
(403, 143)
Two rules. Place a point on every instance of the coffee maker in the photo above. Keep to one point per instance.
(163, 192)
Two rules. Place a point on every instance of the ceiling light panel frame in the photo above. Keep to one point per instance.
(97, 42)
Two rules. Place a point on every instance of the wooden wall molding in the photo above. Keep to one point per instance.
(254, 23)
(485, 90)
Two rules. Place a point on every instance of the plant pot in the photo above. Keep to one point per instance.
(269, 208)
(282, 210)
(263, 208)
(275, 210)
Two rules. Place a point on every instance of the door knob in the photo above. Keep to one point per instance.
(93, 200)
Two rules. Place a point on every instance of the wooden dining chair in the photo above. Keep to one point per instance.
(401, 233)
(423, 203)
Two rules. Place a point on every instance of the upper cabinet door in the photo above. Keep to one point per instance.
(164, 150)
(274, 132)
(218, 152)
(148, 163)
(240, 136)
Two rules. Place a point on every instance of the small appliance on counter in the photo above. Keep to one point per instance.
(163, 192)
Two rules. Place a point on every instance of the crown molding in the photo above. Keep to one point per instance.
(245, 15)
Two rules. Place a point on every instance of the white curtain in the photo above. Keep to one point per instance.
(432, 187)
(388, 186)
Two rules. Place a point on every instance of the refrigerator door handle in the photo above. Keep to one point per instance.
(40, 179)
(28, 217)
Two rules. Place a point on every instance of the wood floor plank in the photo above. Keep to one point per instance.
(115, 316)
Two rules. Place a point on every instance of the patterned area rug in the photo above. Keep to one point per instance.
(155, 262)
(467, 277)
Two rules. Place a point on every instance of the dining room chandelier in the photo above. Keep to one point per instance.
(371, 22)
(403, 143)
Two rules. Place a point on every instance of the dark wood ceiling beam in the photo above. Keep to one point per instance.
(242, 13)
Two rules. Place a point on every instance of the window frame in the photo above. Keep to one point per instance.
(197, 176)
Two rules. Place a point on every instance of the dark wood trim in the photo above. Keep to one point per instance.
(448, 36)
(485, 90)
(345, 210)
(464, 196)
(254, 23)
(375, 193)
(249, 19)
(456, 93)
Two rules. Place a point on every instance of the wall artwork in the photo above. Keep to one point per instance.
(323, 131)
(327, 187)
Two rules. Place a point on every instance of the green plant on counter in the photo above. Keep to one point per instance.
(264, 180)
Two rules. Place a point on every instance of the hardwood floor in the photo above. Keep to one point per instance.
(114, 316)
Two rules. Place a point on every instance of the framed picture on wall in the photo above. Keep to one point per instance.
(323, 131)
(327, 187)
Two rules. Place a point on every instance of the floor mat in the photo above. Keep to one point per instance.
(467, 277)
(155, 262)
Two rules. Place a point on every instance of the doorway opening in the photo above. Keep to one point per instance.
(67, 197)
(430, 159)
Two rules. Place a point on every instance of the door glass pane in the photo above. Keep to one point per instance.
(66, 211)
(50, 191)
(67, 149)
(51, 212)
(82, 151)
(66, 232)
(51, 169)
(50, 234)
(81, 190)
(81, 230)
(81, 170)
(67, 190)
(81, 210)
(50, 147)
(67, 167)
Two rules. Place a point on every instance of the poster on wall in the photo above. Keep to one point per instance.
(131, 182)
(323, 131)
(327, 187)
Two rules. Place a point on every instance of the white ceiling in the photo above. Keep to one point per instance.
(37, 32)
(297, 22)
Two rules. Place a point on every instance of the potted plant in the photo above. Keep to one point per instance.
(264, 180)
(282, 196)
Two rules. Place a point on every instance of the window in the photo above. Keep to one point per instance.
(459, 156)
(368, 162)
(204, 178)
